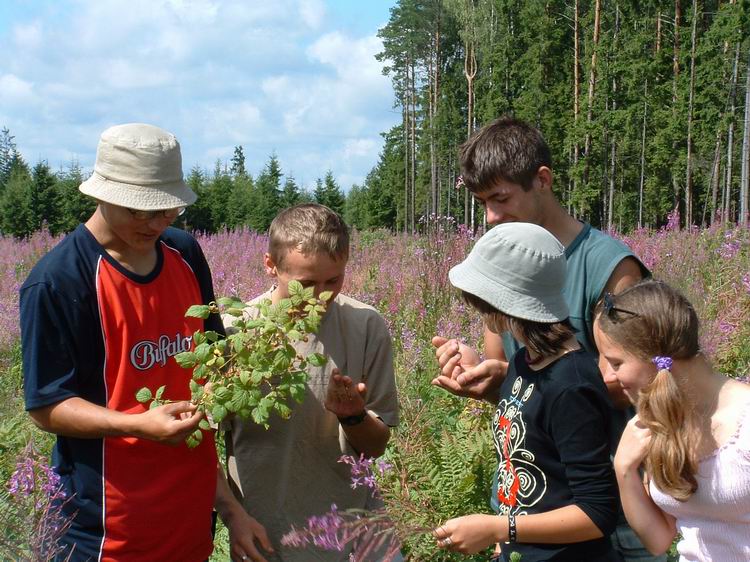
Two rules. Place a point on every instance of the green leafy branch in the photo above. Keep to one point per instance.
(255, 371)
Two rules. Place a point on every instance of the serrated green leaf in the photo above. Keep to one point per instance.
(203, 424)
(244, 377)
(144, 395)
(294, 335)
(317, 359)
(212, 336)
(160, 391)
(200, 372)
(218, 413)
(294, 287)
(229, 301)
(186, 359)
(198, 337)
(198, 311)
(325, 296)
(201, 352)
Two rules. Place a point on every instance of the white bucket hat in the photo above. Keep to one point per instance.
(518, 268)
(140, 167)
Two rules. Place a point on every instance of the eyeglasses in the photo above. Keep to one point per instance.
(148, 215)
(612, 311)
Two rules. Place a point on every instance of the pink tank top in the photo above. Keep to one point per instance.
(715, 521)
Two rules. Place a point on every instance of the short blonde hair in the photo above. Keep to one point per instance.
(310, 228)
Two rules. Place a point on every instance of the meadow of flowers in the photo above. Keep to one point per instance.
(441, 456)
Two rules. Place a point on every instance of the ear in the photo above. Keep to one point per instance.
(269, 264)
(544, 178)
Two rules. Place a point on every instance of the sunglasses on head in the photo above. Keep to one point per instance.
(612, 311)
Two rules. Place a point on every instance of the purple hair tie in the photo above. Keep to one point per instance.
(662, 362)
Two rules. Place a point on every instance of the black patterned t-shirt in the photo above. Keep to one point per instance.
(551, 432)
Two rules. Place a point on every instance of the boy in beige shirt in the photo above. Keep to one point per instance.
(290, 472)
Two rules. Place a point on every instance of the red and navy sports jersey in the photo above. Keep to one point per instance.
(92, 329)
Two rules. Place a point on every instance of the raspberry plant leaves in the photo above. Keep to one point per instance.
(255, 371)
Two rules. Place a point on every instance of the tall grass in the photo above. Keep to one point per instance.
(441, 453)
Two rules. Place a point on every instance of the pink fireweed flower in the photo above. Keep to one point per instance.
(746, 281)
(362, 470)
(321, 531)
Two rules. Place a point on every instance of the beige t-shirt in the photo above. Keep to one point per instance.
(291, 472)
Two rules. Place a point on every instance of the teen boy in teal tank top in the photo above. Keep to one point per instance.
(507, 166)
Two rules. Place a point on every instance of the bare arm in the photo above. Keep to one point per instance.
(244, 530)
(655, 528)
(473, 533)
(626, 274)
(76, 417)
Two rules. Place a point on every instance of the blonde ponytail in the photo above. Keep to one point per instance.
(671, 460)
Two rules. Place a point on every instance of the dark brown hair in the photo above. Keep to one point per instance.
(647, 320)
(310, 228)
(505, 149)
(541, 338)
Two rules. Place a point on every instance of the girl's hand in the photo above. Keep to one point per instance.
(633, 447)
(471, 533)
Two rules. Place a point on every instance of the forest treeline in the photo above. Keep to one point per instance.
(645, 105)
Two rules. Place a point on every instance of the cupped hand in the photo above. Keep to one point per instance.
(344, 398)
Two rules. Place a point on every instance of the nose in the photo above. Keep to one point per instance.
(608, 373)
(494, 216)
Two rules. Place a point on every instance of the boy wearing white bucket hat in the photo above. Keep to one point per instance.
(507, 167)
(554, 493)
(102, 314)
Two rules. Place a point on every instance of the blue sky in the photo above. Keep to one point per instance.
(294, 77)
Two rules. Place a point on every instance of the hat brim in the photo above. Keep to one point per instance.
(546, 308)
(140, 197)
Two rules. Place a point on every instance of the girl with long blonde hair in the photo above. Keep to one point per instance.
(692, 431)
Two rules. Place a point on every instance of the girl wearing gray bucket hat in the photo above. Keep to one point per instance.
(554, 492)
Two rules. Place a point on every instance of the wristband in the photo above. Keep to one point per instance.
(512, 533)
(356, 419)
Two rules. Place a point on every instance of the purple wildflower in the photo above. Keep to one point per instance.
(746, 281)
(362, 470)
(322, 531)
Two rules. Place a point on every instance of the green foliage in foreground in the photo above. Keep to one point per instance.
(255, 371)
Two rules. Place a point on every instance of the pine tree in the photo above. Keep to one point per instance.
(268, 197)
(7, 153)
(46, 205)
(290, 195)
(16, 212)
(75, 206)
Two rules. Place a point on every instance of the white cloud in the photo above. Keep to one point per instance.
(278, 76)
(13, 88)
(28, 36)
(313, 12)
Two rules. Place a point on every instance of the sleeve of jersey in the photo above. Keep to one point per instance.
(578, 425)
(381, 381)
(49, 372)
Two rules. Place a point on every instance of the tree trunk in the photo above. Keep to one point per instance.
(730, 136)
(643, 156)
(745, 170)
(675, 84)
(592, 86)
(691, 93)
(576, 103)
(470, 71)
